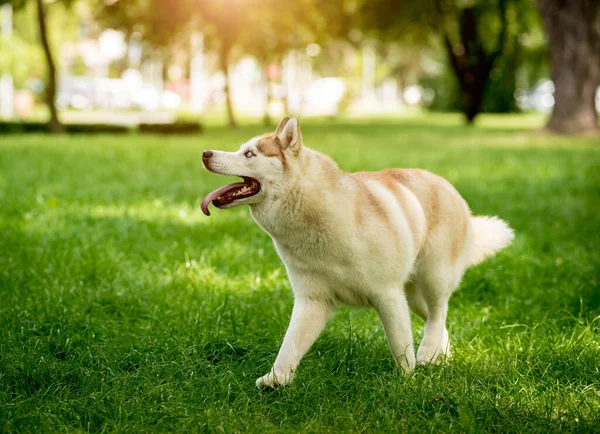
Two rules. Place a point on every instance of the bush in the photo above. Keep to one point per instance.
(42, 127)
(179, 127)
(96, 129)
(22, 127)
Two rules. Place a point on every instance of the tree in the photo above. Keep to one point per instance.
(573, 29)
(21, 57)
(471, 61)
(54, 124)
(266, 41)
(158, 22)
(473, 34)
(254, 26)
(270, 32)
(225, 19)
(266, 29)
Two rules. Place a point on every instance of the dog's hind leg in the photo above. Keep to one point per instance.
(435, 285)
(393, 311)
(435, 345)
(416, 301)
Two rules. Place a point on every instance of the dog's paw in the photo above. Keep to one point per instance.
(273, 381)
(432, 356)
(435, 354)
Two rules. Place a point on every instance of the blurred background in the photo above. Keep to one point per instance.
(123, 308)
(125, 63)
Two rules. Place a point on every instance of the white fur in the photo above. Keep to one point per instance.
(311, 210)
(491, 235)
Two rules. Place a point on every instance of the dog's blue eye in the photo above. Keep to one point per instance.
(249, 154)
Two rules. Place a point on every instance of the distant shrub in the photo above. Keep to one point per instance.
(179, 127)
(22, 127)
(42, 127)
(97, 129)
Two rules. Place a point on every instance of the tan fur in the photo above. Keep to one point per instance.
(442, 204)
(401, 195)
(426, 187)
(368, 203)
(330, 169)
(391, 240)
(269, 146)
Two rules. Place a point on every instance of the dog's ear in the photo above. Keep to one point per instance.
(290, 135)
(282, 123)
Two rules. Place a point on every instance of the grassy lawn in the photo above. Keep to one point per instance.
(124, 309)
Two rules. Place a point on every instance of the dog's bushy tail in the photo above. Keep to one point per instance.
(490, 235)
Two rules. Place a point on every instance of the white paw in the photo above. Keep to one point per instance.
(273, 380)
(407, 362)
(434, 353)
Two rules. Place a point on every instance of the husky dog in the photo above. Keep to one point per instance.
(398, 240)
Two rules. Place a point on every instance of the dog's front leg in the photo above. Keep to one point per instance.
(308, 320)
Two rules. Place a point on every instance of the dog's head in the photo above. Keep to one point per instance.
(267, 165)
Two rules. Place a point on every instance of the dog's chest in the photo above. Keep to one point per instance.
(331, 253)
(315, 249)
(340, 273)
(305, 239)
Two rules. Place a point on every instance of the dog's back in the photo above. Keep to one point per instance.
(448, 231)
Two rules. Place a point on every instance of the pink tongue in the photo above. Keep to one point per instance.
(218, 192)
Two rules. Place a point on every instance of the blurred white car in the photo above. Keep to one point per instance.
(323, 96)
(541, 97)
(149, 98)
(88, 93)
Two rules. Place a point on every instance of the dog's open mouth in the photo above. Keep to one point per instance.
(230, 193)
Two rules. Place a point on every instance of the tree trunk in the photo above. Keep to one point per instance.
(267, 116)
(224, 60)
(401, 82)
(472, 80)
(54, 124)
(473, 83)
(573, 29)
(471, 62)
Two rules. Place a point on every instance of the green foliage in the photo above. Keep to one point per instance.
(446, 97)
(500, 90)
(16, 4)
(407, 21)
(124, 309)
(499, 25)
(269, 31)
(159, 22)
(22, 55)
(21, 59)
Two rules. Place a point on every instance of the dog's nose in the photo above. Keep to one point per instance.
(206, 155)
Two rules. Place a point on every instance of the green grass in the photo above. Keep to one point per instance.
(124, 309)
